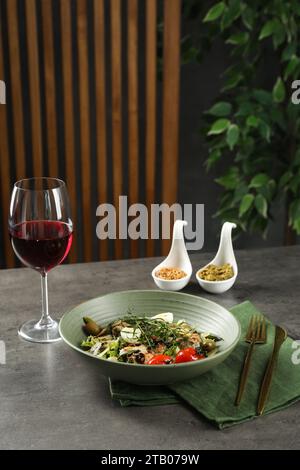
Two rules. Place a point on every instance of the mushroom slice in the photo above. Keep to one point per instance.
(133, 349)
(168, 317)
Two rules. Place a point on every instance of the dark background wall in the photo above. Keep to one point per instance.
(200, 85)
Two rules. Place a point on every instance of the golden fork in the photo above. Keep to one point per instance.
(256, 334)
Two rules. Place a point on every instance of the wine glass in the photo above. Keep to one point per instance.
(41, 233)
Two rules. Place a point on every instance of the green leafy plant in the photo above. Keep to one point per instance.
(253, 124)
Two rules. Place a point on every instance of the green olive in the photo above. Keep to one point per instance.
(91, 327)
(209, 345)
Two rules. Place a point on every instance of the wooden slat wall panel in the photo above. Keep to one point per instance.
(5, 172)
(34, 86)
(116, 79)
(69, 142)
(16, 87)
(84, 114)
(171, 76)
(50, 88)
(99, 37)
(133, 132)
(151, 77)
(170, 118)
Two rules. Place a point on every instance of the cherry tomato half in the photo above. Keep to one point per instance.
(160, 359)
(188, 355)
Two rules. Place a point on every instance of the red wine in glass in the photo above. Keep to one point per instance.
(41, 232)
(41, 244)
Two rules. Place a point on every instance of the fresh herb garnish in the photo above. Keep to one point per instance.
(155, 330)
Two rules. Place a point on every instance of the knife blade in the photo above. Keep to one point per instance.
(280, 337)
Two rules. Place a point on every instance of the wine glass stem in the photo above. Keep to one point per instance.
(46, 320)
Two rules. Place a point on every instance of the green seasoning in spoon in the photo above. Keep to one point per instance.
(216, 273)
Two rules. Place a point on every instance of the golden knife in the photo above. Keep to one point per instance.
(280, 337)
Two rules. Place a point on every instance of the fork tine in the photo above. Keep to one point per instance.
(256, 326)
(250, 327)
(254, 330)
(259, 327)
(263, 329)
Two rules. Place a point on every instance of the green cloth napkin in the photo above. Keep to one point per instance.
(213, 393)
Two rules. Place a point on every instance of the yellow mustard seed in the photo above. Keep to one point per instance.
(170, 274)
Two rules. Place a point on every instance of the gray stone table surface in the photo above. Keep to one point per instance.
(50, 400)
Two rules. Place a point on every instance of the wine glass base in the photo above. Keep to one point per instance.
(34, 332)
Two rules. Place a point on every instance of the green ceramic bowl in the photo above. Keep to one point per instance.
(201, 313)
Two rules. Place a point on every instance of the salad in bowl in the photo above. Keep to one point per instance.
(125, 336)
(156, 340)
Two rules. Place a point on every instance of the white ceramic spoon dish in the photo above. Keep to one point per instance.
(177, 258)
(224, 255)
